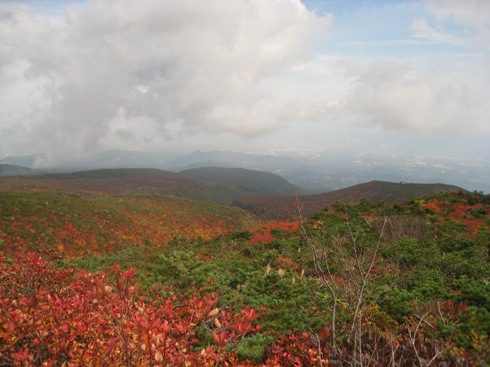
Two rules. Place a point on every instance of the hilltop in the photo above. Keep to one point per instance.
(286, 207)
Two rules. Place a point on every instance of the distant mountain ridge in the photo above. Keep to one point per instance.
(315, 171)
(264, 194)
(220, 185)
(286, 207)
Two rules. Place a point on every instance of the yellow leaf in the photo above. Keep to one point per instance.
(217, 323)
(158, 356)
(214, 312)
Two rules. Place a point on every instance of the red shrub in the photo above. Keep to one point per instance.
(60, 317)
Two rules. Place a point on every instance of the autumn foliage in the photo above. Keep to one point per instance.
(265, 233)
(359, 284)
(61, 317)
(459, 213)
(74, 227)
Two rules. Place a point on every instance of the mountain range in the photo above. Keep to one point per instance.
(315, 172)
(264, 194)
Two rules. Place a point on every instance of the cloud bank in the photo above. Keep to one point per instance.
(133, 74)
(124, 70)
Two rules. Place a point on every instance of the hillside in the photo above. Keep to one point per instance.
(286, 207)
(76, 226)
(236, 182)
(14, 170)
(113, 173)
(406, 283)
(111, 182)
(219, 185)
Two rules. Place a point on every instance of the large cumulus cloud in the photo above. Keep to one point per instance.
(124, 70)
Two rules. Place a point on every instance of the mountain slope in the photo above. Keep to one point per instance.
(112, 182)
(114, 173)
(220, 185)
(286, 207)
(100, 224)
(245, 180)
(14, 170)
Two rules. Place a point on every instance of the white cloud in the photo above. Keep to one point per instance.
(474, 15)
(124, 69)
(422, 29)
(230, 74)
(471, 12)
(428, 95)
(435, 99)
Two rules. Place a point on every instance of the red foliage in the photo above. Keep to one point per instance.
(285, 226)
(471, 216)
(433, 205)
(77, 227)
(264, 235)
(60, 317)
(259, 237)
(297, 350)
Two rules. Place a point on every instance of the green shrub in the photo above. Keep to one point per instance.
(253, 347)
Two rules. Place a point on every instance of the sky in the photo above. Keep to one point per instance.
(403, 77)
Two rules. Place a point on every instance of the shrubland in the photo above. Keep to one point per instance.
(357, 284)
